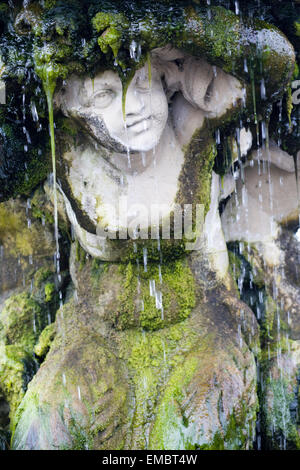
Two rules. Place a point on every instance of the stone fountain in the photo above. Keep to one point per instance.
(171, 212)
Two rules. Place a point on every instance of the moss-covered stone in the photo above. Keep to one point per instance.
(45, 340)
(199, 160)
(12, 359)
(141, 379)
(279, 398)
(110, 25)
(49, 291)
(28, 293)
(61, 38)
(21, 320)
(90, 391)
(139, 300)
(144, 372)
(279, 358)
(20, 235)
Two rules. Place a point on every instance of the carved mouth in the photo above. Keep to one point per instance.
(142, 124)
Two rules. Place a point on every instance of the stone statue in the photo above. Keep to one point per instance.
(154, 346)
(142, 155)
(139, 155)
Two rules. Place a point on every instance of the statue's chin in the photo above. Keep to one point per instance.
(141, 143)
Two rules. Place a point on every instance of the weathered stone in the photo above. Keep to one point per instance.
(28, 291)
(140, 158)
(161, 356)
(266, 196)
(132, 388)
(280, 397)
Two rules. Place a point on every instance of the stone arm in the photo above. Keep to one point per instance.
(204, 86)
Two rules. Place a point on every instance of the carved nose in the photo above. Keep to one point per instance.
(134, 104)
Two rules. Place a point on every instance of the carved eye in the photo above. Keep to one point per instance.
(103, 98)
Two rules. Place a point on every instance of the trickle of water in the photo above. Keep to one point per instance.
(236, 174)
(152, 287)
(240, 338)
(135, 51)
(143, 155)
(263, 130)
(25, 131)
(262, 89)
(158, 300)
(237, 7)
(160, 274)
(145, 259)
(128, 156)
(258, 312)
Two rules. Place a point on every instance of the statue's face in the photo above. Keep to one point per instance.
(146, 108)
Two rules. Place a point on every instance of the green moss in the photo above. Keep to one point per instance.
(45, 340)
(38, 207)
(80, 255)
(4, 8)
(272, 346)
(98, 267)
(21, 320)
(277, 420)
(37, 170)
(12, 387)
(150, 357)
(127, 298)
(235, 264)
(15, 235)
(49, 291)
(103, 399)
(81, 438)
(167, 250)
(67, 127)
(234, 436)
(195, 176)
(41, 275)
(217, 443)
(168, 415)
(172, 429)
(110, 25)
(178, 295)
(9, 222)
(55, 48)
(30, 407)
